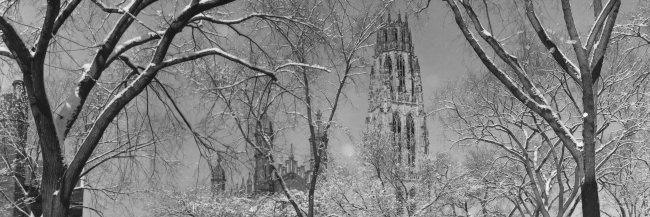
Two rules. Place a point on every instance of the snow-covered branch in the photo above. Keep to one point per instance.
(5, 52)
(219, 52)
(555, 51)
(598, 24)
(290, 64)
(127, 45)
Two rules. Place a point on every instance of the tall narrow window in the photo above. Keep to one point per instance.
(410, 139)
(396, 126)
(413, 89)
(401, 87)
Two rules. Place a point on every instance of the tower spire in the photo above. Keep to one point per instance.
(291, 152)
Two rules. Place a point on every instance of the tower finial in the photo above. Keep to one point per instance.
(399, 17)
(389, 20)
(291, 152)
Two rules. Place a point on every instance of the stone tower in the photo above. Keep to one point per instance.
(396, 106)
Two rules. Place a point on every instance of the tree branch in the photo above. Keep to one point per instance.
(573, 34)
(544, 111)
(16, 45)
(555, 51)
(598, 25)
(219, 52)
(63, 16)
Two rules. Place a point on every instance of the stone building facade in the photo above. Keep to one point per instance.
(396, 105)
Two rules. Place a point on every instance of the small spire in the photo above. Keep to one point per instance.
(319, 114)
(399, 17)
(389, 20)
(291, 152)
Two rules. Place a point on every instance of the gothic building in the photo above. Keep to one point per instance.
(295, 175)
(396, 106)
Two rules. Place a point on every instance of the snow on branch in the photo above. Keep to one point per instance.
(557, 54)
(5, 52)
(289, 64)
(543, 110)
(13, 42)
(250, 16)
(107, 9)
(603, 42)
(599, 23)
(219, 52)
(120, 49)
(508, 58)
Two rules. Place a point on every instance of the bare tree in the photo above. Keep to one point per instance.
(166, 48)
(489, 114)
(589, 54)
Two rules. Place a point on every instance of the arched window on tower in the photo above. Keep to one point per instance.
(410, 139)
(401, 76)
(396, 128)
(384, 32)
(394, 32)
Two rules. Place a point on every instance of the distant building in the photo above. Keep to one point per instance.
(261, 179)
(296, 176)
(396, 105)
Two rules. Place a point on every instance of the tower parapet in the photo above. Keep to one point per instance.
(394, 35)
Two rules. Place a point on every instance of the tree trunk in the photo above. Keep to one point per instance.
(53, 204)
(590, 202)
